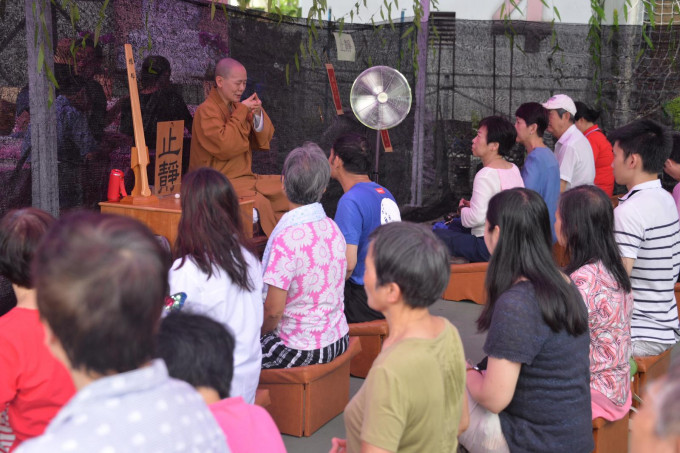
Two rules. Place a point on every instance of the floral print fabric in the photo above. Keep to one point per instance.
(610, 310)
(308, 260)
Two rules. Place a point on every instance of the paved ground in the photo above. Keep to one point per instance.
(461, 314)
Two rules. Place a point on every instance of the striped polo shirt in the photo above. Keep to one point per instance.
(647, 230)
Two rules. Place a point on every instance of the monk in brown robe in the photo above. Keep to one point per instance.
(225, 132)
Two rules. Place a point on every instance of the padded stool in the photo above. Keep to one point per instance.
(305, 398)
(560, 255)
(262, 397)
(467, 283)
(371, 334)
(610, 437)
(649, 368)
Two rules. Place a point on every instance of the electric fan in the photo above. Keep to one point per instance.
(380, 99)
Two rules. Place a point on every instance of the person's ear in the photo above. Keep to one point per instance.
(635, 161)
(494, 145)
(219, 80)
(393, 292)
(532, 128)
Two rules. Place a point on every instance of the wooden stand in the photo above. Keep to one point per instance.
(162, 215)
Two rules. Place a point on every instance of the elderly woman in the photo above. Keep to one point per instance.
(413, 398)
(304, 268)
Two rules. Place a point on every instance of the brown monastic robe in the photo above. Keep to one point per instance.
(225, 140)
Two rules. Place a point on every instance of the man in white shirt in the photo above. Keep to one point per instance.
(647, 233)
(573, 152)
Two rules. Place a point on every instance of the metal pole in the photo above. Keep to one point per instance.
(376, 173)
(419, 129)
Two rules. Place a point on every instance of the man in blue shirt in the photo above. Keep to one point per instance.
(364, 206)
(541, 171)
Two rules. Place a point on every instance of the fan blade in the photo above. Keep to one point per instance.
(373, 81)
(363, 102)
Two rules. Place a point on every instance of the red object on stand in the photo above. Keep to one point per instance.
(116, 186)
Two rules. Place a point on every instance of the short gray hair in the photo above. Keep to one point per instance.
(306, 174)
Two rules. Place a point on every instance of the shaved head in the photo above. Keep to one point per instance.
(231, 78)
(225, 66)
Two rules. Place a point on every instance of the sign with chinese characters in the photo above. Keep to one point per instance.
(345, 46)
(169, 141)
(387, 143)
(334, 88)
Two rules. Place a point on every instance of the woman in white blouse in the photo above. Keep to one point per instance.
(218, 272)
(464, 236)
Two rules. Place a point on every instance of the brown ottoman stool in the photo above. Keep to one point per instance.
(610, 437)
(305, 398)
(371, 334)
(467, 283)
(649, 368)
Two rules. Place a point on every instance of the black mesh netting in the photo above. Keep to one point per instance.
(474, 69)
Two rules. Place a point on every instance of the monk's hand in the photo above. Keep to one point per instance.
(254, 104)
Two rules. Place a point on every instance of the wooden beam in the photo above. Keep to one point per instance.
(45, 183)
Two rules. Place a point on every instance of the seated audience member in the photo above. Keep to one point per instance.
(656, 425)
(101, 282)
(585, 228)
(198, 350)
(304, 273)
(413, 398)
(158, 100)
(647, 233)
(88, 65)
(465, 235)
(364, 207)
(537, 369)
(541, 171)
(602, 150)
(573, 151)
(672, 168)
(33, 384)
(6, 117)
(217, 271)
(75, 142)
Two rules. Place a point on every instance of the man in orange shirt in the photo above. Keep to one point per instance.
(225, 132)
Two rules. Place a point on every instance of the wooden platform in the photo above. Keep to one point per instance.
(162, 217)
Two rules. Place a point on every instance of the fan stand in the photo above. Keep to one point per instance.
(376, 173)
(382, 98)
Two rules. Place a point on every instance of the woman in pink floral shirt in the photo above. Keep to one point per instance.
(584, 226)
(304, 276)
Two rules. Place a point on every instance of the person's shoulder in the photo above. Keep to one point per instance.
(585, 271)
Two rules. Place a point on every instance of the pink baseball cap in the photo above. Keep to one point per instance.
(561, 101)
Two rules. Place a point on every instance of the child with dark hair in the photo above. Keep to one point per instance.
(585, 228)
(602, 150)
(33, 384)
(672, 168)
(199, 351)
(465, 235)
(218, 272)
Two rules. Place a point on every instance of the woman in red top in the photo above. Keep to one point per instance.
(602, 150)
(33, 384)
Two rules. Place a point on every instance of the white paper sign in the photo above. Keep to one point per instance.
(345, 46)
